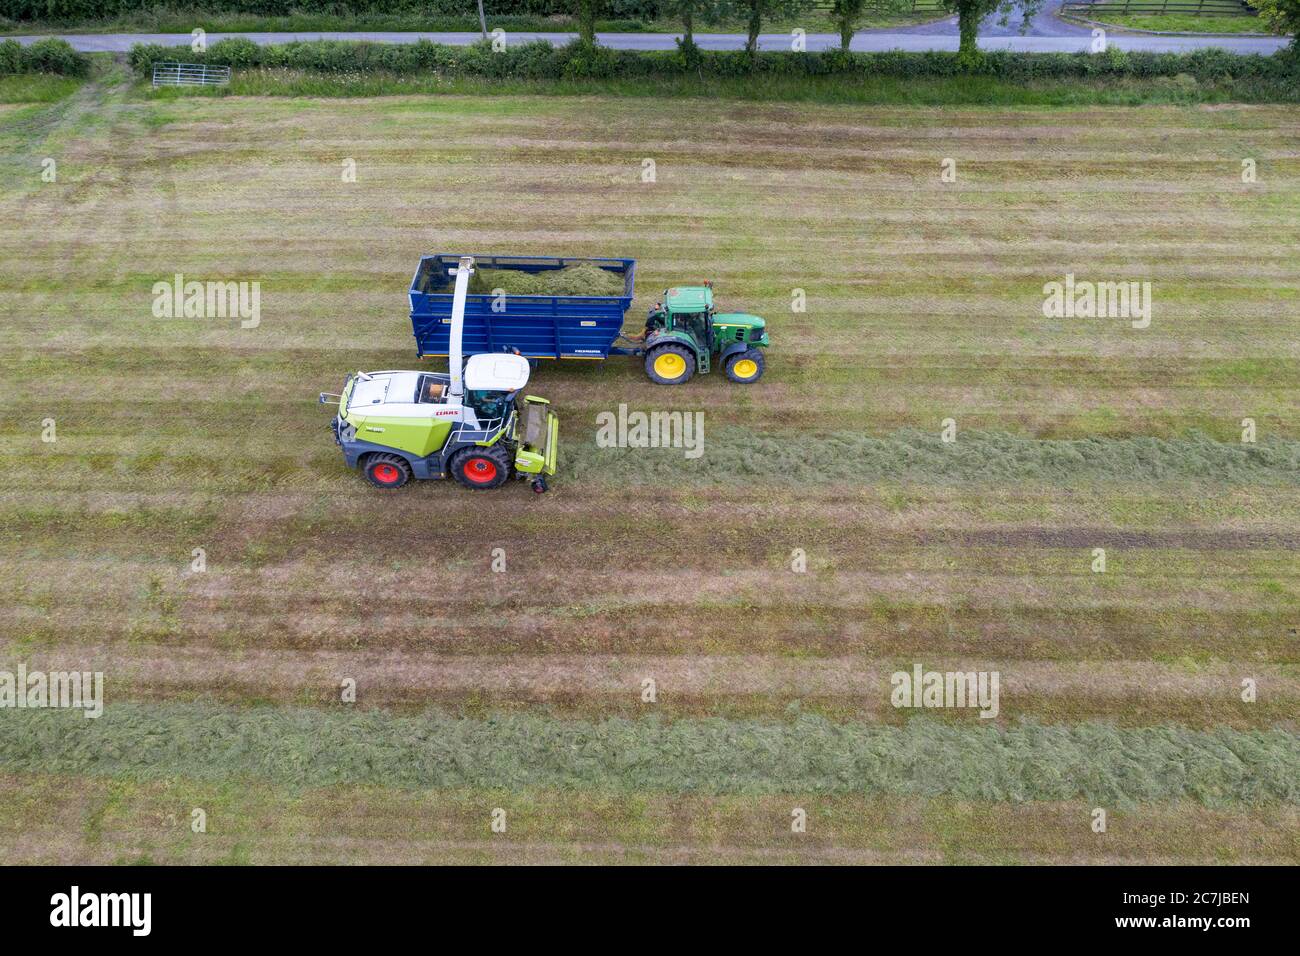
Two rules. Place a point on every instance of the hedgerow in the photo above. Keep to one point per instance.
(85, 10)
(43, 56)
(540, 60)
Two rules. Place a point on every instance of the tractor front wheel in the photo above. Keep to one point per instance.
(387, 471)
(481, 467)
(745, 367)
(670, 364)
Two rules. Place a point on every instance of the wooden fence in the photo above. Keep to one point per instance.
(1150, 8)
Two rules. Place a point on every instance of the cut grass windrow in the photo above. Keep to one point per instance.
(807, 753)
(726, 454)
(733, 454)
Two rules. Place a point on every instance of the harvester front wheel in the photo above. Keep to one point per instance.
(670, 364)
(481, 467)
(745, 367)
(387, 471)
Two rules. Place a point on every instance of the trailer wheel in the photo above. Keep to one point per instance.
(745, 367)
(481, 467)
(387, 471)
(670, 364)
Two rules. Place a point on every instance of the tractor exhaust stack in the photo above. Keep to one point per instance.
(455, 359)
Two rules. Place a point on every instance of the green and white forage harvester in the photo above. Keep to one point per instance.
(684, 333)
(471, 423)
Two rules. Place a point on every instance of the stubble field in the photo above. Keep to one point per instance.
(523, 690)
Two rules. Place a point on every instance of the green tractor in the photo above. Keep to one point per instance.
(471, 423)
(683, 335)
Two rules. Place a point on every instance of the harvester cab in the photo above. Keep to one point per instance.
(472, 423)
(685, 335)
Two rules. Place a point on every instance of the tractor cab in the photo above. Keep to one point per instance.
(684, 334)
(689, 308)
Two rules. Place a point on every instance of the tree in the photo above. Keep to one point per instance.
(754, 22)
(1282, 16)
(588, 10)
(755, 11)
(971, 13)
(846, 14)
(687, 11)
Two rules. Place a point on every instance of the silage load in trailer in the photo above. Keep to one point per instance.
(551, 307)
(571, 280)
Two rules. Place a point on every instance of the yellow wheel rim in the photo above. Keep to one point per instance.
(745, 368)
(670, 365)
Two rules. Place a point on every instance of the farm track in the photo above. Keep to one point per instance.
(924, 303)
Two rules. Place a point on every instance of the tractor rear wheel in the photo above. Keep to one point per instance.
(670, 364)
(745, 367)
(481, 467)
(387, 471)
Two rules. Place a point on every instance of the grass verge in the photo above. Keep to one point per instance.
(37, 88)
(1184, 23)
(866, 91)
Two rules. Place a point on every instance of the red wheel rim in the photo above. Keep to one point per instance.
(480, 470)
(386, 474)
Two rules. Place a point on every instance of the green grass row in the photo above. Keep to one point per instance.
(861, 91)
(1098, 762)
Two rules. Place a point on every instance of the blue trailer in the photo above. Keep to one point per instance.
(537, 326)
(683, 334)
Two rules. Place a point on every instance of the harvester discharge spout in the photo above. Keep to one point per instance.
(455, 359)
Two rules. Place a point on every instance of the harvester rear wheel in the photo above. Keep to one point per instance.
(481, 467)
(745, 367)
(670, 364)
(387, 471)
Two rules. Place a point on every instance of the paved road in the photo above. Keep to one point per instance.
(1046, 34)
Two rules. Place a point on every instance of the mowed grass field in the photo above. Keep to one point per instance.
(523, 690)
